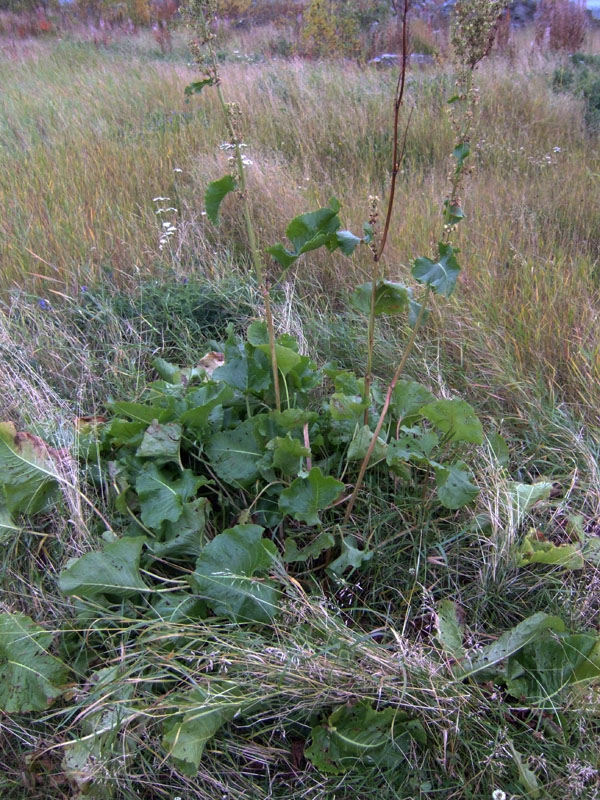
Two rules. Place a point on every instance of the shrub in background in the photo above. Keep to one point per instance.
(561, 24)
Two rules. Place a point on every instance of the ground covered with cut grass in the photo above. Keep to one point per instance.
(108, 263)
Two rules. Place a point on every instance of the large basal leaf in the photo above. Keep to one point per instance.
(235, 454)
(513, 640)
(287, 358)
(139, 412)
(390, 298)
(536, 549)
(8, 528)
(360, 444)
(540, 671)
(87, 759)
(408, 398)
(215, 194)
(185, 737)
(307, 496)
(161, 443)
(28, 471)
(360, 735)
(449, 631)
(293, 554)
(288, 454)
(230, 575)
(414, 444)
(455, 487)
(203, 401)
(440, 275)
(350, 557)
(521, 497)
(183, 539)
(162, 497)
(455, 418)
(30, 678)
(115, 571)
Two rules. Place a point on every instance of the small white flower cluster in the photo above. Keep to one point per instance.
(169, 229)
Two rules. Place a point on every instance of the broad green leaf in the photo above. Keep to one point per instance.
(161, 443)
(347, 242)
(141, 412)
(361, 443)
(359, 735)
(527, 777)
(408, 398)
(310, 231)
(203, 401)
(178, 607)
(205, 712)
(513, 640)
(162, 496)
(390, 298)
(455, 488)
(456, 419)
(460, 153)
(287, 358)
(87, 759)
(414, 312)
(294, 555)
(449, 630)
(521, 497)
(303, 229)
(8, 528)
(345, 406)
(499, 449)
(453, 214)
(30, 678)
(197, 86)
(350, 556)
(440, 275)
(167, 371)
(235, 454)
(345, 382)
(28, 471)
(414, 444)
(214, 195)
(536, 549)
(185, 538)
(120, 432)
(288, 454)
(229, 575)
(542, 669)
(115, 571)
(307, 496)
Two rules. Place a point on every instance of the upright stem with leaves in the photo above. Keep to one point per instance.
(199, 14)
(473, 30)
